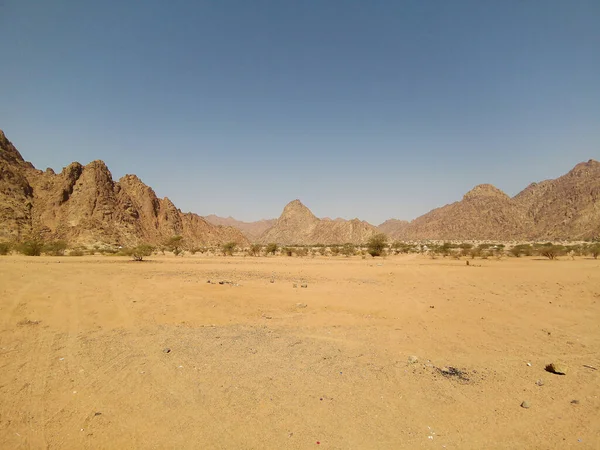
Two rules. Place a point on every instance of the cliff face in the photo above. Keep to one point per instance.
(84, 205)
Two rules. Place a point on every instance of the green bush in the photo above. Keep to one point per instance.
(30, 248)
(76, 252)
(521, 250)
(377, 244)
(271, 249)
(287, 251)
(594, 250)
(5, 248)
(301, 251)
(551, 251)
(255, 250)
(228, 248)
(335, 250)
(174, 244)
(140, 252)
(55, 248)
(348, 250)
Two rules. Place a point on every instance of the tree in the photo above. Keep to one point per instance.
(140, 252)
(255, 250)
(55, 248)
(174, 244)
(377, 244)
(228, 248)
(5, 248)
(271, 249)
(348, 250)
(552, 251)
(32, 247)
(594, 250)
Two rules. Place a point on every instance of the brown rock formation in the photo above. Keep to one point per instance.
(297, 225)
(83, 205)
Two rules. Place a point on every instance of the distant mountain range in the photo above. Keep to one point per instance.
(84, 205)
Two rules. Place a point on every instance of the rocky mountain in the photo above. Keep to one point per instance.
(252, 230)
(393, 227)
(297, 225)
(84, 205)
(565, 208)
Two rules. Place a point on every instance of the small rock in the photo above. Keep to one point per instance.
(525, 404)
(167, 350)
(575, 402)
(272, 280)
(413, 359)
(221, 282)
(528, 364)
(301, 305)
(208, 281)
(431, 306)
(540, 382)
(556, 368)
(304, 285)
(97, 414)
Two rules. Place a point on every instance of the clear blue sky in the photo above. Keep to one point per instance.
(374, 109)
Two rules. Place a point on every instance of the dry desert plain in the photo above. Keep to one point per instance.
(254, 364)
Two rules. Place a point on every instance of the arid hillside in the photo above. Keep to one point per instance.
(565, 208)
(83, 205)
(252, 230)
(297, 225)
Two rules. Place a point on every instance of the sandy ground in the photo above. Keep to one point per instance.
(255, 364)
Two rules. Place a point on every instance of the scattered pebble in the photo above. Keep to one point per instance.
(304, 285)
(575, 402)
(167, 350)
(97, 414)
(525, 404)
(556, 368)
(431, 306)
(528, 364)
(540, 382)
(301, 305)
(413, 359)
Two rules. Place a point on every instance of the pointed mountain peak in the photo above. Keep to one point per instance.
(8, 152)
(483, 191)
(296, 208)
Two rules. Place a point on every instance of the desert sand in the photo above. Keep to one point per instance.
(255, 364)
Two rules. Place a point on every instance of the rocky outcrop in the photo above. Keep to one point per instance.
(297, 225)
(252, 230)
(565, 208)
(84, 205)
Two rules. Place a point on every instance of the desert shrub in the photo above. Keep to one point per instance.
(287, 251)
(521, 250)
(271, 249)
(228, 248)
(174, 244)
(335, 250)
(33, 247)
(5, 248)
(76, 252)
(377, 244)
(255, 250)
(140, 252)
(551, 251)
(401, 247)
(594, 250)
(55, 248)
(348, 250)
(301, 251)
